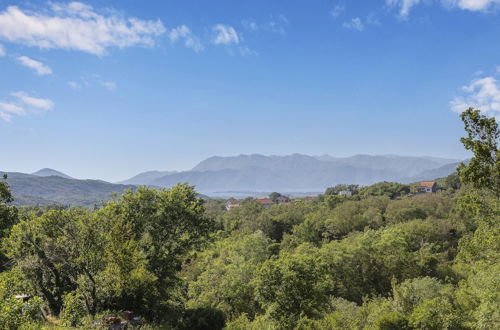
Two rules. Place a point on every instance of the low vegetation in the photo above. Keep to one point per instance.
(379, 258)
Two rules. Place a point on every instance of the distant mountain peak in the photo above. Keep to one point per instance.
(146, 178)
(50, 172)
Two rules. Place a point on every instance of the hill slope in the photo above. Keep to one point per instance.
(31, 189)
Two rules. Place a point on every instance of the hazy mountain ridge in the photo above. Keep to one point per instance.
(146, 178)
(299, 172)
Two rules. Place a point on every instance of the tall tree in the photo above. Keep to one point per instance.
(8, 214)
(483, 170)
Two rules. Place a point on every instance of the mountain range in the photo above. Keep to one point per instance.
(247, 174)
(297, 172)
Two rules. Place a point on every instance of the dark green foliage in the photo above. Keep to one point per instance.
(123, 256)
(389, 189)
(335, 190)
(294, 285)
(206, 318)
(8, 215)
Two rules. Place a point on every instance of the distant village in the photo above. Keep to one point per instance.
(424, 187)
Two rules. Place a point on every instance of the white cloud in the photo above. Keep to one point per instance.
(21, 103)
(473, 5)
(483, 94)
(109, 85)
(225, 35)
(276, 24)
(9, 109)
(250, 25)
(245, 51)
(354, 24)
(39, 103)
(74, 85)
(404, 6)
(40, 68)
(76, 26)
(2, 50)
(190, 41)
(89, 80)
(337, 11)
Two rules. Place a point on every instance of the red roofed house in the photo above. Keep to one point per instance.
(426, 187)
(265, 202)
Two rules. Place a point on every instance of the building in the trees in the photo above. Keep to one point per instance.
(347, 193)
(282, 200)
(232, 203)
(426, 187)
(265, 202)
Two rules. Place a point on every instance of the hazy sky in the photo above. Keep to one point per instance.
(106, 89)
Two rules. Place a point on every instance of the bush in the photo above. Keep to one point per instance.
(15, 313)
(73, 310)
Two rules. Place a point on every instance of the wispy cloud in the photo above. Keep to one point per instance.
(110, 85)
(354, 24)
(225, 35)
(277, 24)
(20, 103)
(405, 6)
(245, 51)
(40, 68)
(76, 26)
(184, 33)
(39, 103)
(482, 93)
(93, 79)
(75, 85)
(7, 110)
(337, 11)
(2, 50)
(472, 5)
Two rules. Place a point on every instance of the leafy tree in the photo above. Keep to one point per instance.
(483, 134)
(412, 292)
(8, 215)
(435, 314)
(335, 190)
(390, 189)
(123, 256)
(222, 276)
(274, 195)
(294, 285)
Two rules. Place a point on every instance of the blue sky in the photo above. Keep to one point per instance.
(106, 89)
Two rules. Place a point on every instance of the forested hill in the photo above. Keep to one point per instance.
(29, 189)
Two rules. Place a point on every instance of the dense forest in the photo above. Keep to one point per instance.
(381, 258)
